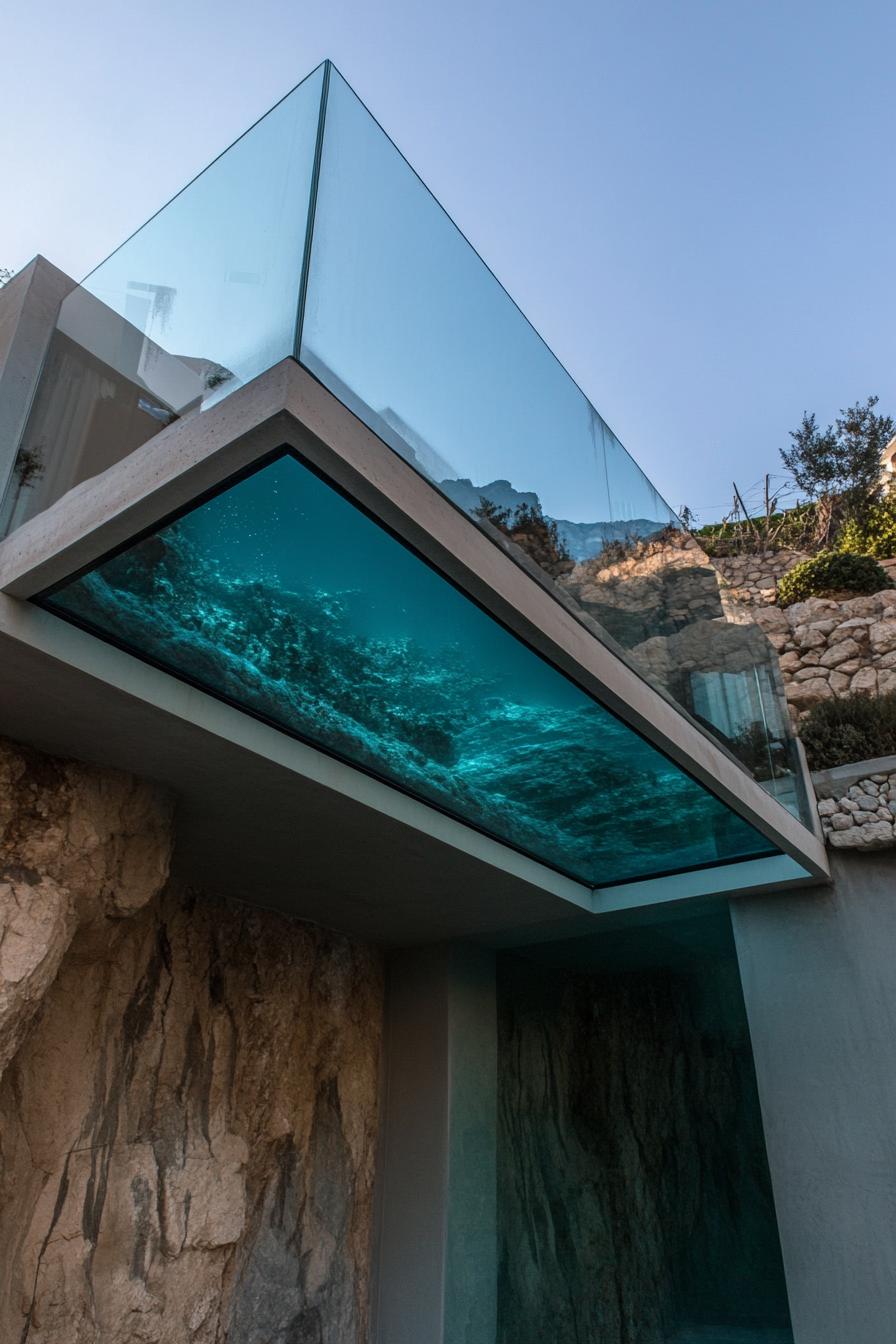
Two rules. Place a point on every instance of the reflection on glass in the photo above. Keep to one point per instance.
(406, 323)
(634, 1197)
(199, 301)
(283, 597)
(407, 326)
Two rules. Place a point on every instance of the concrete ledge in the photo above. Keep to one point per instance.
(835, 782)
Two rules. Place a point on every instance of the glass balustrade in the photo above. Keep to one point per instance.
(194, 305)
(312, 238)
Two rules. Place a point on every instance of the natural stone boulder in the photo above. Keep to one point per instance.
(804, 694)
(77, 846)
(807, 637)
(864, 681)
(883, 636)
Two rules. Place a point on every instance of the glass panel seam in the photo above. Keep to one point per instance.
(312, 210)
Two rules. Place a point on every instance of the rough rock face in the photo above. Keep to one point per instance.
(188, 1115)
(828, 648)
(77, 847)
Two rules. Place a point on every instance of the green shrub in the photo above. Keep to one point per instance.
(831, 572)
(875, 534)
(855, 728)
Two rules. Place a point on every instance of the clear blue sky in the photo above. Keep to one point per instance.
(694, 202)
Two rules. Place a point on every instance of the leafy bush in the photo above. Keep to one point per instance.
(831, 572)
(875, 534)
(855, 728)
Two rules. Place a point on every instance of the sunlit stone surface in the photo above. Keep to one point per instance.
(188, 1112)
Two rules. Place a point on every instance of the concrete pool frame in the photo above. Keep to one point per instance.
(287, 407)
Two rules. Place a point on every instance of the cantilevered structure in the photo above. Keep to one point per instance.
(304, 520)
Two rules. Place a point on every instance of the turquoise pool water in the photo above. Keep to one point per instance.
(281, 596)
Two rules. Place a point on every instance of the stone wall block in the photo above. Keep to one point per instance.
(863, 818)
(883, 637)
(864, 681)
(877, 835)
(840, 653)
(804, 694)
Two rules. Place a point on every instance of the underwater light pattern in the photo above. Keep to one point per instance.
(284, 598)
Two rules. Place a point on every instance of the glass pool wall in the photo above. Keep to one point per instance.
(283, 597)
(312, 237)
(634, 1202)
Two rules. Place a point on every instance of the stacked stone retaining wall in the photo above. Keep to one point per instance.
(857, 804)
(829, 649)
(752, 580)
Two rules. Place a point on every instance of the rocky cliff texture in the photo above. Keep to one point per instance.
(188, 1110)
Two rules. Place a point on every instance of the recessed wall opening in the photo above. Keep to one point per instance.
(634, 1200)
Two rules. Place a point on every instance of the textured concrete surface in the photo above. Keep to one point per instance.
(436, 1242)
(819, 981)
(189, 1110)
(29, 304)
